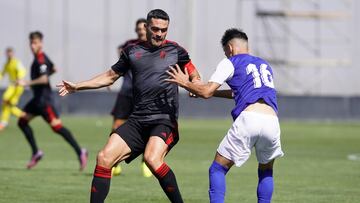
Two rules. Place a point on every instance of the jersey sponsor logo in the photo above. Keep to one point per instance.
(162, 54)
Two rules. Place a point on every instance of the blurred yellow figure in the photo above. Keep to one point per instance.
(116, 170)
(16, 71)
(145, 170)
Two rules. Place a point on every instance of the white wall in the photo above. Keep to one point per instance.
(81, 36)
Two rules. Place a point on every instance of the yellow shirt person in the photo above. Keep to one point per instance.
(16, 71)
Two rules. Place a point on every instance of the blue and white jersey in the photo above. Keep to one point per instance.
(250, 78)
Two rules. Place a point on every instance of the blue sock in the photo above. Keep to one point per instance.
(265, 186)
(217, 185)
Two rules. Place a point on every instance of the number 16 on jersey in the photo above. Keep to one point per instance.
(262, 78)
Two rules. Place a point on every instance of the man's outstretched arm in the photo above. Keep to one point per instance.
(182, 79)
(102, 80)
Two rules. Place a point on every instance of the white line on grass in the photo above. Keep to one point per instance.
(354, 157)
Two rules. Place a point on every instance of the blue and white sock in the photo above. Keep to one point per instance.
(265, 186)
(217, 186)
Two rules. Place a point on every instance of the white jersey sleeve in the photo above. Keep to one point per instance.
(224, 72)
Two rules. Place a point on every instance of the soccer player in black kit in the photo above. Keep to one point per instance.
(152, 127)
(124, 102)
(42, 103)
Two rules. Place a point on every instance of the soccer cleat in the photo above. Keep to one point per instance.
(145, 170)
(35, 159)
(3, 125)
(116, 170)
(83, 159)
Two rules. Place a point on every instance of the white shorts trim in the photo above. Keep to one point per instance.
(250, 130)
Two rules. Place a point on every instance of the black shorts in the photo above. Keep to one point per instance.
(136, 134)
(123, 107)
(45, 109)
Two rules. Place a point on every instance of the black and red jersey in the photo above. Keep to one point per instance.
(40, 66)
(154, 98)
(126, 87)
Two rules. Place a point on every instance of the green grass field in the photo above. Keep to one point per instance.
(315, 167)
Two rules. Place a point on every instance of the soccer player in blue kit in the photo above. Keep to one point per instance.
(255, 114)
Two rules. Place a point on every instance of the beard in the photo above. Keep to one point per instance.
(157, 41)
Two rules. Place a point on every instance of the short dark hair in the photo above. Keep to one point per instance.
(140, 20)
(9, 49)
(36, 35)
(157, 14)
(231, 34)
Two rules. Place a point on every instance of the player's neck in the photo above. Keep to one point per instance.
(239, 52)
(39, 52)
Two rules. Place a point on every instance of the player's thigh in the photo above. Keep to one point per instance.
(27, 117)
(115, 150)
(155, 152)
(50, 114)
(9, 92)
(167, 131)
(238, 141)
(19, 90)
(135, 136)
(163, 137)
(31, 110)
(268, 146)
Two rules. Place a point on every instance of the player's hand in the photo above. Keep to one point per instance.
(66, 88)
(177, 76)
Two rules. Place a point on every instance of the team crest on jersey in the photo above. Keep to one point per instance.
(162, 54)
(43, 68)
(138, 55)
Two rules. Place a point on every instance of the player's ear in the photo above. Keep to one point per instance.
(231, 48)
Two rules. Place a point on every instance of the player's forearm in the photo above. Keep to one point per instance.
(201, 90)
(42, 80)
(99, 81)
(224, 94)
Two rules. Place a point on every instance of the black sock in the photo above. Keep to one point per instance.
(168, 183)
(66, 134)
(26, 129)
(100, 185)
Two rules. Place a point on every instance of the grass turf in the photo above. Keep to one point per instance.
(315, 167)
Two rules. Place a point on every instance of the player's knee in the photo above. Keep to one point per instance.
(22, 122)
(152, 161)
(6, 102)
(104, 159)
(57, 127)
(267, 166)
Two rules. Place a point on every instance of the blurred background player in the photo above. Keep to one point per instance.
(16, 71)
(255, 114)
(42, 103)
(124, 102)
